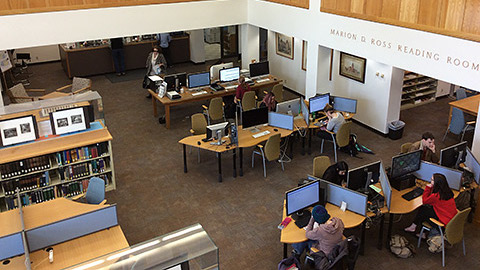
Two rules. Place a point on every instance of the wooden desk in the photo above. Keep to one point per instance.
(10, 222)
(468, 105)
(188, 97)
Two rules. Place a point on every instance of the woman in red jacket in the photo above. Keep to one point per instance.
(438, 203)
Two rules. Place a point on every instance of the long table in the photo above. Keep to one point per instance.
(191, 96)
(468, 105)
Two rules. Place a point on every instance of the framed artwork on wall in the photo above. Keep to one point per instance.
(284, 45)
(18, 130)
(69, 120)
(353, 67)
(304, 55)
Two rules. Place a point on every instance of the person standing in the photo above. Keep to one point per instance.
(156, 63)
(164, 42)
(118, 55)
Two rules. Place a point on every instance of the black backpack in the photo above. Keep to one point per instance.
(351, 148)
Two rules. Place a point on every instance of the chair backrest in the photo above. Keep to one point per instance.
(248, 101)
(454, 228)
(80, 85)
(199, 124)
(272, 147)
(343, 134)
(461, 94)
(95, 191)
(278, 92)
(320, 165)
(458, 121)
(405, 147)
(215, 109)
(18, 90)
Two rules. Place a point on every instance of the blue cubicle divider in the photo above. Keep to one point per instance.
(280, 120)
(386, 188)
(427, 169)
(472, 163)
(356, 201)
(11, 245)
(72, 228)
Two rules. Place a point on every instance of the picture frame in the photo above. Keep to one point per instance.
(304, 55)
(352, 67)
(284, 45)
(70, 120)
(18, 130)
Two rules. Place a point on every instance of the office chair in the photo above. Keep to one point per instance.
(461, 94)
(214, 111)
(249, 101)
(271, 151)
(341, 139)
(453, 231)
(278, 92)
(405, 147)
(320, 165)
(199, 126)
(77, 86)
(18, 93)
(95, 192)
(22, 67)
(458, 125)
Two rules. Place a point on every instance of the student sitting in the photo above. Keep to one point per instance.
(427, 145)
(335, 121)
(269, 102)
(241, 89)
(336, 173)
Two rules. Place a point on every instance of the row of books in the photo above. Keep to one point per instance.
(32, 197)
(24, 166)
(26, 183)
(81, 153)
(83, 169)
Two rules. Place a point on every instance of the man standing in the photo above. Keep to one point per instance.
(427, 145)
(118, 56)
(164, 42)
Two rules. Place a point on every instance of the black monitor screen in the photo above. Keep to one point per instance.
(170, 80)
(198, 79)
(406, 163)
(453, 155)
(345, 104)
(318, 103)
(362, 177)
(254, 117)
(259, 69)
(182, 79)
(302, 197)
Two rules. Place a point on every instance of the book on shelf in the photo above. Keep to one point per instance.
(75, 171)
(32, 197)
(24, 166)
(81, 153)
(26, 183)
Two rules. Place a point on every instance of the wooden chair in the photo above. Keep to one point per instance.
(271, 151)
(77, 86)
(278, 92)
(214, 111)
(320, 165)
(405, 147)
(453, 231)
(199, 126)
(341, 139)
(18, 93)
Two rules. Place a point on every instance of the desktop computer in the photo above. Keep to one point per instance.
(344, 104)
(299, 199)
(229, 74)
(291, 107)
(198, 79)
(217, 132)
(255, 117)
(402, 167)
(318, 103)
(259, 69)
(452, 156)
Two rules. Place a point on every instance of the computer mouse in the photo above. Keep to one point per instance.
(211, 93)
(199, 142)
(275, 129)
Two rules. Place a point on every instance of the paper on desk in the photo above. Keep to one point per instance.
(154, 78)
(375, 188)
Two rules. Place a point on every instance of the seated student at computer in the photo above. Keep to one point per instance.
(269, 102)
(427, 145)
(438, 203)
(335, 121)
(324, 237)
(242, 88)
(336, 173)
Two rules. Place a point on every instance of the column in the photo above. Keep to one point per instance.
(250, 44)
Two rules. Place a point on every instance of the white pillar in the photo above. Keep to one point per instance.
(250, 44)
(311, 76)
(197, 47)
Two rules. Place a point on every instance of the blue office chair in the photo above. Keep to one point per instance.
(95, 192)
(461, 94)
(458, 125)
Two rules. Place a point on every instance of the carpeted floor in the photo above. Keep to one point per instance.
(154, 195)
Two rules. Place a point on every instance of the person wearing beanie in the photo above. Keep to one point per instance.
(324, 237)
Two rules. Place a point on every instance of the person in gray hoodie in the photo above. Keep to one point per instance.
(324, 237)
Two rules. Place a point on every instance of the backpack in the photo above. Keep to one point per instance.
(400, 247)
(290, 263)
(462, 201)
(435, 244)
(351, 148)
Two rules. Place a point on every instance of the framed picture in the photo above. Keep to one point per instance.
(18, 130)
(284, 45)
(304, 55)
(69, 120)
(352, 67)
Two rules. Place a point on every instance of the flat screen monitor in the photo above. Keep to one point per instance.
(291, 107)
(472, 163)
(215, 70)
(217, 131)
(303, 197)
(198, 79)
(305, 113)
(254, 117)
(453, 155)
(229, 74)
(345, 104)
(170, 80)
(175, 81)
(280, 120)
(259, 69)
(318, 103)
(362, 177)
(405, 163)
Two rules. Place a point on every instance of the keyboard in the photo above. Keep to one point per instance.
(413, 194)
(230, 87)
(260, 134)
(321, 123)
(263, 80)
(199, 93)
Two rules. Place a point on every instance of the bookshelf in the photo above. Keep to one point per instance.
(417, 90)
(56, 167)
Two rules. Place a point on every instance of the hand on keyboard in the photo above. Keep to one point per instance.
(260, 134)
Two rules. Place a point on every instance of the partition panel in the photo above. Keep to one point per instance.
(427, 169)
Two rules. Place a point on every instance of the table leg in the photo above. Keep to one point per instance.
(292, 139)
(167, 116)
(185, 158)
(219, 157)
(303, 145)
(154, 103)
(389, 231)
(310, 131)
(362, 241)
(285, 250)
(241, 162)
(449, 117)
(380, 235)
(234, 163)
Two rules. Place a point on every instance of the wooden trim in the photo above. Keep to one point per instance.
(294, 3)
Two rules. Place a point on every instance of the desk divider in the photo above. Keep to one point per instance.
(386, 188)
(356, 201)
(72, 228)
(280, 120)
(11, 246)
(427, 169)
(472, 163)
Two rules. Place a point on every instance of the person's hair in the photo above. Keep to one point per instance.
(241, 80)
(342, 166)
(158, 49)
(329, 109)
(269, 100)
(427, 135)
(441, 187)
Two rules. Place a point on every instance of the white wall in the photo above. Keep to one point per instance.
(197, 48)
(42, 53)
(249, 44)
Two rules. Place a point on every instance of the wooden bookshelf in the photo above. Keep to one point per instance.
(417, 90)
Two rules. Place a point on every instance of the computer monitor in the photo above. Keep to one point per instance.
(215, 70)
(305, 112)
(360, 178)
(291, 107)
(453, 155)
(217, 131)
(345, 104)
(302, 197)
(255, 117)
(175, 81)
(473, 165)
(259, 69)
(198, 79)
(229, 74)
(318, 103)
(405, 163)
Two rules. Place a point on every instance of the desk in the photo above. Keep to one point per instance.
(468, 105)
(54, 94)
(187, 97)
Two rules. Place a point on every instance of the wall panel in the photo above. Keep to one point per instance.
(428, 12)
(409, 11)
(295, 3)
(471, 20)
(391, 9)
(374, 7)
